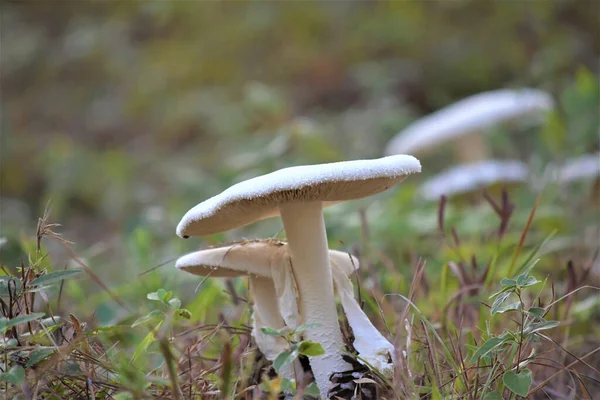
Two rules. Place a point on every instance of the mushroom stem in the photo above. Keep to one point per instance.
(307, 241)
(266, 314)
(471, 148)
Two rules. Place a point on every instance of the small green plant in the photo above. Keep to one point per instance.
(505, 352)
(296, 349)
(170, 303)
(29, 338)
(171, 307)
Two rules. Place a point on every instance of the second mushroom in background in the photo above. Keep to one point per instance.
(469, 178)
(465, 122)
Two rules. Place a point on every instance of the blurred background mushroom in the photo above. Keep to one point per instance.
(465, 123)
(584, 168)
(473, 177)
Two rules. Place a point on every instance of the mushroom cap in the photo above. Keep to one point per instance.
(259, 198)
(580, 168)
(251, 258)
(470, 177)
(472, 114)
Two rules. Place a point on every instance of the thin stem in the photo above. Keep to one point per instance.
(471, 148)
(266, 314)
(522, 328)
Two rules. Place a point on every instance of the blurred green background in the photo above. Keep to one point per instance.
(125, 114)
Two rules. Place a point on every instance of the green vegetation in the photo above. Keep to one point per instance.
(118, 117)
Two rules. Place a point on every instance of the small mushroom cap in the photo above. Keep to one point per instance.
(472, 114)
(470, 177)
(250, 258)
(259, 198)
(581, 168)
(240, 259)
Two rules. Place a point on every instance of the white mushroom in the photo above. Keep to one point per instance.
(470, 177)
(464, 121)
(274, 293)
(586, 167)
(298, 195)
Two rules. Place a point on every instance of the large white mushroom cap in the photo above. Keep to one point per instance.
(472, 114)
(260, 197)
(470, 177)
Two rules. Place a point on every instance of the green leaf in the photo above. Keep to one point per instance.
(312, 390)
(288, 385)
(184, 313)
(38, 355)
(145, 343)
(273, 332)
(518, 383)
(175, 303)
(163, 295)
(505, 289)
(16, 375)
(523, 277)
(516, 306)
(488, 346)
(6, 323)
(530, 281)
(508, 282)
(537, 311)
(284, 358)
(148, 317)
(493, 396)
(73, 369)
(540, 326)
(54, 277)
(310, 348)
(497, 304)
(9, 344)
(37, 289)
(304, 327)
